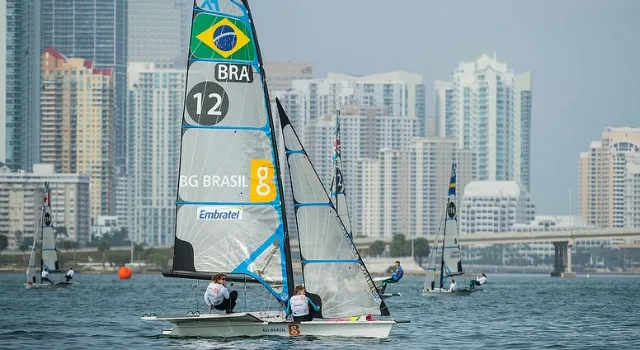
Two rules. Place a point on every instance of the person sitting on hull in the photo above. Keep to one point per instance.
(44, 276)
(452, 286)
(298, 305)
(218, 297)
(480, 280)
(69, 274)
(395, 277)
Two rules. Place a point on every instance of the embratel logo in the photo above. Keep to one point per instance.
(219, 213)
(261, 186)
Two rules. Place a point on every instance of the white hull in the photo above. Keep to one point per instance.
(258, 324)
(442, 292)
(47, 285)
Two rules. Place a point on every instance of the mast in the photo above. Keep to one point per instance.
(287, 246)
(46, 185)
(444, 234)
(336, 144)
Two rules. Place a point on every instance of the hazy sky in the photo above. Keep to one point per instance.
(584, 57)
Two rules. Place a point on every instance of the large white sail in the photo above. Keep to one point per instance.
(332, 268)
(49, 252)
(230, 215)
(444, 259)
(338, 195)
(451, 259)
(31, 268)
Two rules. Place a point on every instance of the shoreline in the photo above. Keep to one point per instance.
(9, 270)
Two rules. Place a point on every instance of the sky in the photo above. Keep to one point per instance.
(584, 56)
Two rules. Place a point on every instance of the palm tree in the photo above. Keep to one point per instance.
(377, 248)
(74, 246)
(137, 249)
(23, 247)
(4, 242)
(421, 248)
(103, 249)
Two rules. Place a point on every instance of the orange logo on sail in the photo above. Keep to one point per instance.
(262, 186)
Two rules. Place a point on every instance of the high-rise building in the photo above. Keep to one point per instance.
(156, 98)
(20, 83)
(430, 170)
(21, 202)
(632, 193)
(604, 175)
(96, 31)
(487, 108)
(280, 75)
(495, 206)
(77, 124)
(158, 31)
(413, 94)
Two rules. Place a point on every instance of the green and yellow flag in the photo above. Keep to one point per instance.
(216, 37)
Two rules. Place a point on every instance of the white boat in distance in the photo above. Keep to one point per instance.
(450, 264)
(44, 247)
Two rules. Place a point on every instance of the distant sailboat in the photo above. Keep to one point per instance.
(44, 246)
(338, 195)
(450, 263)
(230, 205)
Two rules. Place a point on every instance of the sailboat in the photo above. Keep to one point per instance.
(231, 208)
(450, 264)
(338, 195)
(44, 246)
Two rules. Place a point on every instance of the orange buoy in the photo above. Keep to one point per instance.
(125, 273)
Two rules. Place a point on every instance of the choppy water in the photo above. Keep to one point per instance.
(516, 312)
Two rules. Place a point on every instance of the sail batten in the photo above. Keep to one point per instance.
(230, 216)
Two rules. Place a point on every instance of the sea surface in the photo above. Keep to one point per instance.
(514, 312)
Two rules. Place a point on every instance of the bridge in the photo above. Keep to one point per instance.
(562, 241)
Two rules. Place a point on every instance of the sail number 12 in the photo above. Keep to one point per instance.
(215, 110)
(207, 103)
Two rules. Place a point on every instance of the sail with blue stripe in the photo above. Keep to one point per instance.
(338, 195)
(230, 216)
(332, 268)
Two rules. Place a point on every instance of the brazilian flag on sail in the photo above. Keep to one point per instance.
(217, 37)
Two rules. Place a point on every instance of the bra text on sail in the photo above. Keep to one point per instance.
(234, 73)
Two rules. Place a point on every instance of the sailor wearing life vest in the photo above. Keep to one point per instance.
(298, 305)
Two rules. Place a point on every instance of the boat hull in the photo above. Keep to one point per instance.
(442, 292)
(47, 285)
(261, 324)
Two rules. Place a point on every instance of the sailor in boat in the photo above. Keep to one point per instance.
(452, 286)
(298, 305)
(69, 274)
(480, 280)
(44, 276)
(395, 277)
(218, 297)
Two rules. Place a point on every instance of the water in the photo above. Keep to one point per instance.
(515, 312)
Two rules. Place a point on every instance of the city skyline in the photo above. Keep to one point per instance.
(579, 66)
(580, 56)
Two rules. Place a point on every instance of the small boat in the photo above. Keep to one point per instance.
(231, 215)
(450, 262)
(44, 246)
